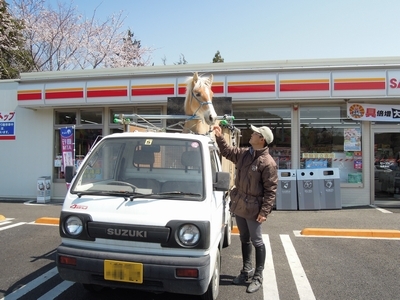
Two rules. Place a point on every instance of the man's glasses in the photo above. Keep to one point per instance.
(259, 134)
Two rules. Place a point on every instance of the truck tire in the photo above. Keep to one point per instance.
(228, 232)
(213, 287)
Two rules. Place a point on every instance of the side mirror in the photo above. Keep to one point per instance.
(69, 173)
(222, 181)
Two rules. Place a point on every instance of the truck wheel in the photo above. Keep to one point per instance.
(213, 288)
(228, 232)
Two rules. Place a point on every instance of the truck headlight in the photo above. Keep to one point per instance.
(188, 235)
(73, 225)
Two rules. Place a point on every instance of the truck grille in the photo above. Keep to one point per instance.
(128, 232)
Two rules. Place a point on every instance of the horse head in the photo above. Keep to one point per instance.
(199, 97)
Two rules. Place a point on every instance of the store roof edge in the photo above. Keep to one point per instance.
(187, 69)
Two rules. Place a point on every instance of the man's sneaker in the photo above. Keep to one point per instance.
(243, 277)
(255, 284)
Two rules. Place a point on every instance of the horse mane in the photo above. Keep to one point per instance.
(190, 86)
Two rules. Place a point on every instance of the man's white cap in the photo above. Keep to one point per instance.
(265, 132)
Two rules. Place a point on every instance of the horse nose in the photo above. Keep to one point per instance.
(212, 118)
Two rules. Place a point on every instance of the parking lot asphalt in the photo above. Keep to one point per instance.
(348, 221)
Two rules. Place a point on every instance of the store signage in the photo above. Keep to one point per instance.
(373, 112)
(394, 83)
(7, 125)
(67, 146)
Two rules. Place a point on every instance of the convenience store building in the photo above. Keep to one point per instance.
(342, 113)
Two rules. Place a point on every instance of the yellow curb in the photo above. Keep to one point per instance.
(46, 220)
(235, 229)
(2, 218)
(352, 232)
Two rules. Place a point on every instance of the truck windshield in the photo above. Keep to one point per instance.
(152, 166)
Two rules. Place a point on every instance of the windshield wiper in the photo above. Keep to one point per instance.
(126, 195)
(164, 194)
(178, 193)
(133, 195)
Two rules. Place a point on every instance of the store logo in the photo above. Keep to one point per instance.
(396, 113)
(394, 83)
(77, 206)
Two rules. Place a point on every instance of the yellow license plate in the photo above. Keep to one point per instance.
(123, 271)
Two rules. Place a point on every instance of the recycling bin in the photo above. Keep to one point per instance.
(396, 192)
(43, 189)
(286, 195)
(329, 185)
(308, 190)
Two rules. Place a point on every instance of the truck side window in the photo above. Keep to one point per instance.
(214, 167)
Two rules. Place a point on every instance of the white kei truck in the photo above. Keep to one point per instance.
(147, 211)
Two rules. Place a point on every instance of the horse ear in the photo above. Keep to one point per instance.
(210, 79)
(195, 77)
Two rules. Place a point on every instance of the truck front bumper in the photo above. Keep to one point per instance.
(159, 272)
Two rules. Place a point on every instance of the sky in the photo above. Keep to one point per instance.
(256, 30)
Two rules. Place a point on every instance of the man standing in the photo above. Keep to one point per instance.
(252, 198)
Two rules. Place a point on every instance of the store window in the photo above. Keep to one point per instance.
(65, 117)
(85, 127)
(328, 138)
(278, 119)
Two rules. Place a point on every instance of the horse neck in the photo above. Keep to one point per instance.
(188, 104)
(195, 126)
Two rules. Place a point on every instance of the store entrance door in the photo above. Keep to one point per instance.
(386, 163)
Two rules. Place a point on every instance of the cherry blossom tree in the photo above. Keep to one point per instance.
(61, 38)
(13, 56)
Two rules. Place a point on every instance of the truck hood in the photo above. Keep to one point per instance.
(156, 212)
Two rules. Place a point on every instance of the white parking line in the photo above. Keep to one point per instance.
(300, 278)
(381, 209)
(270, 285)
(13, 225)
(5, 223)
(31, 285)
(53, 293)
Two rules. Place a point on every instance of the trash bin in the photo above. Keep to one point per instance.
(43, 189)
(329, 185)
(308, 192)
(286, 195)
(396, 193)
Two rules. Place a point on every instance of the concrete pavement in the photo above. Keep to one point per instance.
(306, 231)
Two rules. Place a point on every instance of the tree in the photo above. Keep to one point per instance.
(182, 60)
(130, 53)
(62, 39)
(13, 56)
(217, 58)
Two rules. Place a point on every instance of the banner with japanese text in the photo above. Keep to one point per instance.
(373, 112)
(7, 125)
(67, 147)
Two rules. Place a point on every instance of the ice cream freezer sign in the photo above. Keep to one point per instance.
(373, 112)
(7, 125)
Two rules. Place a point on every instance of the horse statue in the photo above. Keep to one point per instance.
(198, 105)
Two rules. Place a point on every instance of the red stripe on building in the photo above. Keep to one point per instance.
(304, 87)
(182, 90)
(33, 96)
(64, 95)
(346, 86)
(153, 91)
(107, 93)
(7, 137)
(218, 89)
(251, 88)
